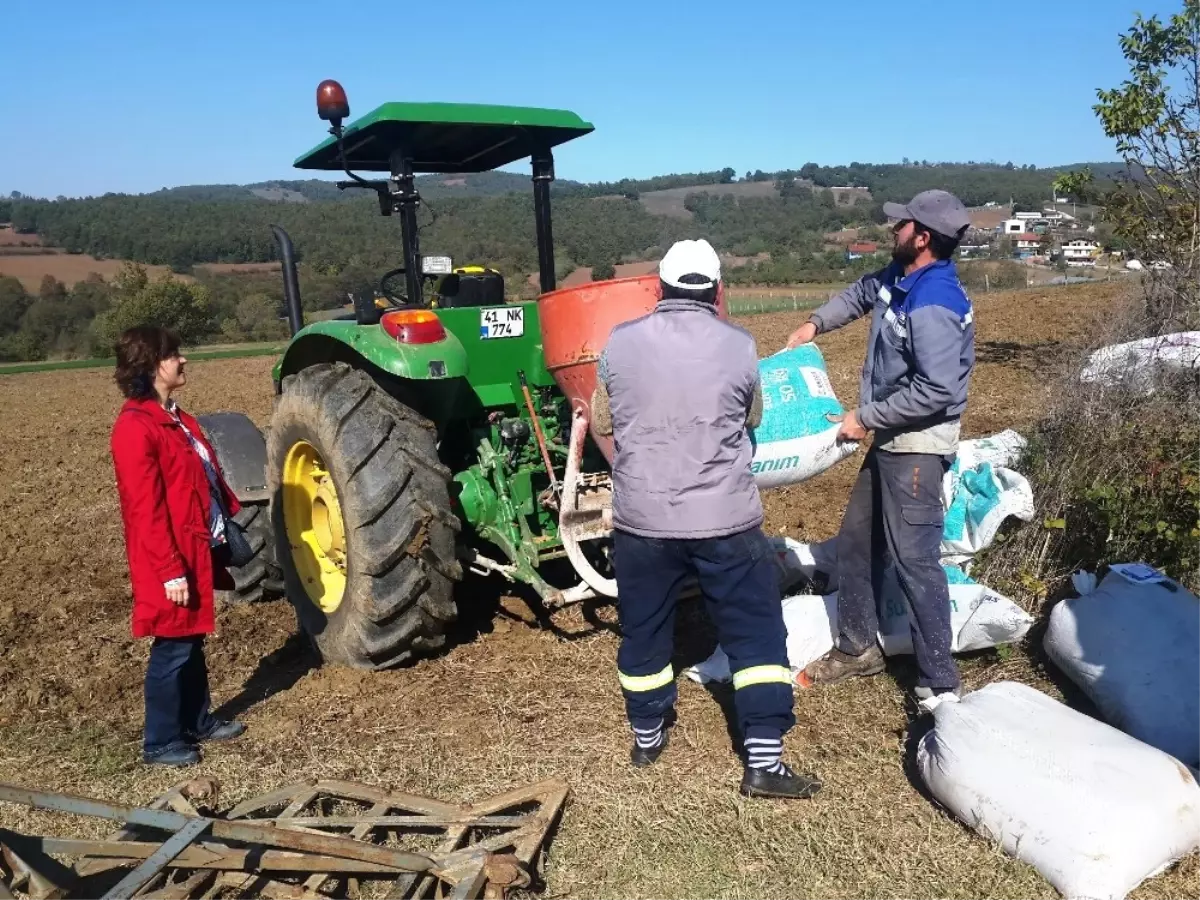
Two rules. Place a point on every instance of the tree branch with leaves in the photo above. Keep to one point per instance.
(1154, 118)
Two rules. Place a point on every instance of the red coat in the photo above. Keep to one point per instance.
(164, 507)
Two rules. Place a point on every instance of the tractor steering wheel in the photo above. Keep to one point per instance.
(396, 299)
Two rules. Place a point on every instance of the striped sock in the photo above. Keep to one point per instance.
(647, 738)
(766, 753)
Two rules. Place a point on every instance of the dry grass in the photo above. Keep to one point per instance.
(511, 702)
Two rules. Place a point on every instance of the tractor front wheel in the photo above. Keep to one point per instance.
(360, 506)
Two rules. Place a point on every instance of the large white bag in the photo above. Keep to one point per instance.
(1093, 810)
(979, 618)
(978, 494)
(980, 491)
(1138, 363)
(1133, 645)
(796, 440)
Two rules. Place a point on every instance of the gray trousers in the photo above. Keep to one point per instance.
(895, 511)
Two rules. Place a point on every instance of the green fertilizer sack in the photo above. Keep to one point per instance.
(796, 439)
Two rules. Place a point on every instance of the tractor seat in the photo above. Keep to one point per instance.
(470, 286)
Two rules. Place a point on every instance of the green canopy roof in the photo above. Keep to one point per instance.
(447, 137)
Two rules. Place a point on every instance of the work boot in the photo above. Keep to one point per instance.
(222, 731)
(649, 741)
(782, 785)
(177, 755)
(646, 756)
(837, 666)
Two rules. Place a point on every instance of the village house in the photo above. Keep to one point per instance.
(1080, 252)
(859, 249)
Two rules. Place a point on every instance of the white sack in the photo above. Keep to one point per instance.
(978, 493)
(1133, 645)
(796, 439)
(1137, 363)
(979, 618)
(799, 562)
(1095, 811)
(809, 621)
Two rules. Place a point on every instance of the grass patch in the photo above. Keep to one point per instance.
(743, 305)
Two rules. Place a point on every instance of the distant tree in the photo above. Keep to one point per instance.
(167, 301)
(90, 297)
(13, 303)
(1153, 116)
(603, 271)
(727, 175)
(256, 319)
(52, 289)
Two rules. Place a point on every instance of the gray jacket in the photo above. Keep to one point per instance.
(920, 354)
(680, 385)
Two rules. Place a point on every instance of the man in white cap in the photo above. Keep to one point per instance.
(677, 389)
(920, 355)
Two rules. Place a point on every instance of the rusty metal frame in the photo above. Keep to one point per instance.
(298, 842)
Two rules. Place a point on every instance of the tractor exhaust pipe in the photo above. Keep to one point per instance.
(291, 283)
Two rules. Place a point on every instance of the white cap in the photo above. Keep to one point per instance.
(690, 258)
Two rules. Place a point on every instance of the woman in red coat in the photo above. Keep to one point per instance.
(172, 492)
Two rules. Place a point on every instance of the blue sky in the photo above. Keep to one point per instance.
(131, 96)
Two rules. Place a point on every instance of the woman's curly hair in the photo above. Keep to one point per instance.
(139, 351)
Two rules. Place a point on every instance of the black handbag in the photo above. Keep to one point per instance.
(238, 550)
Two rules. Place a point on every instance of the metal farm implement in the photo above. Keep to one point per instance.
(310, 840)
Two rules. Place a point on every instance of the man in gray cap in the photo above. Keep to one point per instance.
(920, 355)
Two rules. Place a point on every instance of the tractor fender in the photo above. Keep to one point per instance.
(241, 453)
(344, 341)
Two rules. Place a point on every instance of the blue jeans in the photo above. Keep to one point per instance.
(177, 699)
(896, 510)
(739, 580)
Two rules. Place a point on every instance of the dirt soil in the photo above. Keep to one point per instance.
(515, 699)
(69, 268)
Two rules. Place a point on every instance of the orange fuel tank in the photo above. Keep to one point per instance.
(576, 323)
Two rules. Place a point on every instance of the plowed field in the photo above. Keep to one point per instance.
(515, 699)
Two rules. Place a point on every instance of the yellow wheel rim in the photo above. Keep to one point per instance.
(312, 517)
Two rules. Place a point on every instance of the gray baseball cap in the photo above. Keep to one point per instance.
(938, 211)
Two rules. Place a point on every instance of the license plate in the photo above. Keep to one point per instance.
(501, 322)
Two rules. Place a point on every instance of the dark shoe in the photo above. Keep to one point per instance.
(223, 731)
(643, 756)
(786, 785)
(837, 666)
(181, 755)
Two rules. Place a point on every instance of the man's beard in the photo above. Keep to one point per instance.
(905, 254)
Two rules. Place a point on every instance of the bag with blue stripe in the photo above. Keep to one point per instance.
(797, 438)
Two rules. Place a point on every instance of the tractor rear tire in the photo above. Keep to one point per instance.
(392, 491)
(261, 575)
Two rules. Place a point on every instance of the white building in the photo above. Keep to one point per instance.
(1012, 226)
(1080, 252)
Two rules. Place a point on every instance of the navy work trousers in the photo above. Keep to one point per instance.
(177, 698)
(895, 511)
(738, 577)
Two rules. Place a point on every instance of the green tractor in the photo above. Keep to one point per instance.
(417, 441)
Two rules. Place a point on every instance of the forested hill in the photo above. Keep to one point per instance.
(488, 218)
